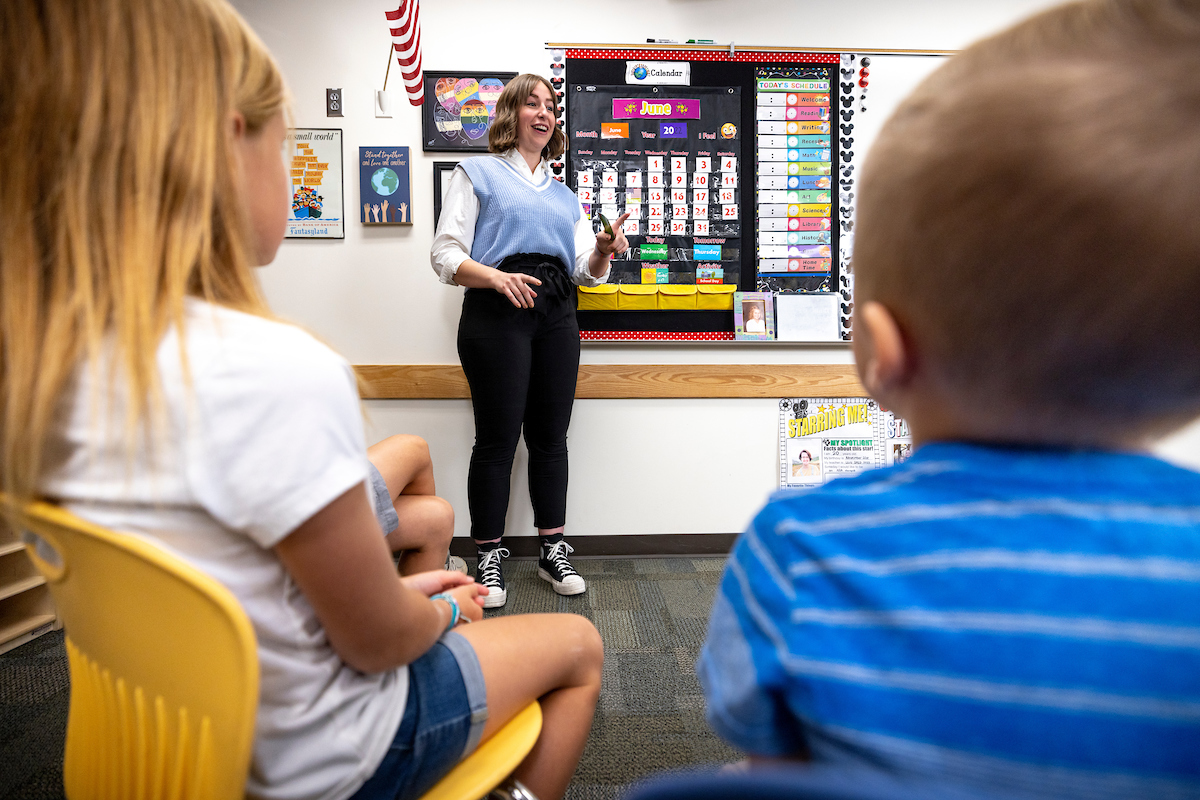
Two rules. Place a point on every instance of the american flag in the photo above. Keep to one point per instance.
(405, 25)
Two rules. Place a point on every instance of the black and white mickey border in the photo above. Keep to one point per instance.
(854, 78)
(558, 81)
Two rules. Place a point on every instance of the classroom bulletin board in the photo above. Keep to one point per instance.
(729, 168)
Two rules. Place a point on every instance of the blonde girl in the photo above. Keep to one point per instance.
(146, 387)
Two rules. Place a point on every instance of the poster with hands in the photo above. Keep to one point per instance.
(385, 186)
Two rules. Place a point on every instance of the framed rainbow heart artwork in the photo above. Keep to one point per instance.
(459, 109)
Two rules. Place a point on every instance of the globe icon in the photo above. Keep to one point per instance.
(385, 181)
(639, 72)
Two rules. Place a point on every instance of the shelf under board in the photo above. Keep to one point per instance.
(18, 633)
(22, 585)
(11, 547)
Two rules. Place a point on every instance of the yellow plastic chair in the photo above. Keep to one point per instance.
(164, 669)
(493, 761)
(164, 673)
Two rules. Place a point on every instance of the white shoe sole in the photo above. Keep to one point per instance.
(495, 598)
(572, 585)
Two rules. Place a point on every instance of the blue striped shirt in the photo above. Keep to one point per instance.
(1021, 619)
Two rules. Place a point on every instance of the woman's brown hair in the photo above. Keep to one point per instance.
(502, 136)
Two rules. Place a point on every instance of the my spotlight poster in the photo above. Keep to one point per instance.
(822, 438)
(315, 165)
(385, 190)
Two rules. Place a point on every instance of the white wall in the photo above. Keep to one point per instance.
(644, 466)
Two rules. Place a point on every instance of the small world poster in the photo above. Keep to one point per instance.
(385, 189)
(315, 166)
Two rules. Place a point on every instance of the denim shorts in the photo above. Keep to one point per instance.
(443, 721)
(381, 498)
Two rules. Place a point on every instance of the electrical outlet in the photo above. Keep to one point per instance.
(333, 102)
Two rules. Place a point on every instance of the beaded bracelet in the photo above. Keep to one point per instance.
(455, 611)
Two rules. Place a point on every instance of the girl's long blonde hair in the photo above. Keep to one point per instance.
(118, 197)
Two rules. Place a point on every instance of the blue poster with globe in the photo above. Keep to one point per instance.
(384, 187)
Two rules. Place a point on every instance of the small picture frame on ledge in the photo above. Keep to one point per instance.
(753, 320)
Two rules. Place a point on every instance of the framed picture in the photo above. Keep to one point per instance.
(315, 164)
(385, 189)
(442, 170)
(752, 317)
(459, 108)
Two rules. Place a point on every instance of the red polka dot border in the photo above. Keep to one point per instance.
(756, 56)
(656, 336)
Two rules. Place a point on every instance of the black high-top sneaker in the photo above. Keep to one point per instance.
(554, 567)
(487, 573)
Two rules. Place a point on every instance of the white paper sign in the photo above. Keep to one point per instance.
(807, 317)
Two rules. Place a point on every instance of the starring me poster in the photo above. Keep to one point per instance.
(822, 438)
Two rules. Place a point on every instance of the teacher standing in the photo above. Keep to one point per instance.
(519, 241)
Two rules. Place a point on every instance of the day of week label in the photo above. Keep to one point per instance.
(652, 252)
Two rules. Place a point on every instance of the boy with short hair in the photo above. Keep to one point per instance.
(1017, 606)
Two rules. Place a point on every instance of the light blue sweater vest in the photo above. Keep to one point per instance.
(515, 216)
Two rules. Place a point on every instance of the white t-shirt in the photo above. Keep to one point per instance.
(270, 433)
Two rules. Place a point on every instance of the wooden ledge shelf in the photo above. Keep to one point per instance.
(630, 381)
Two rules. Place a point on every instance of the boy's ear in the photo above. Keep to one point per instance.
(884, 361)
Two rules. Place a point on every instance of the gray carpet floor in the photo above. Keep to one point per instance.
(651, 614)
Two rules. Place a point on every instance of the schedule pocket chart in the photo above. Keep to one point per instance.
(794, 163)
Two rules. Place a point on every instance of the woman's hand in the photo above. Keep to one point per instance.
(516, 287)
(617, 243)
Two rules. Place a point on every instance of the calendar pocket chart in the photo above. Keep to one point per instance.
(682, 157)
(739, 174)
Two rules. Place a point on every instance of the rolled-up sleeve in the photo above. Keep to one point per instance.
(585, 243)
(456, 227)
